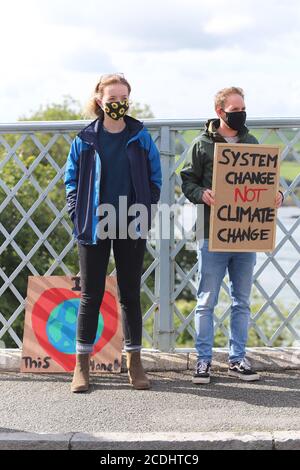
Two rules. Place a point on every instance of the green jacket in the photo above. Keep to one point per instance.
(197, 177)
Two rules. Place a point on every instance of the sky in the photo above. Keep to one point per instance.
(176, 54)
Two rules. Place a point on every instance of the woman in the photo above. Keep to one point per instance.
(111, 160)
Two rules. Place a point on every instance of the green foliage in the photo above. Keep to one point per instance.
(69, 109)
(140, 111)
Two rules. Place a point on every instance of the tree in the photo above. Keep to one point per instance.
(68, 110)
(139, 111)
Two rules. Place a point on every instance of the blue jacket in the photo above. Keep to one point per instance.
(83, 170)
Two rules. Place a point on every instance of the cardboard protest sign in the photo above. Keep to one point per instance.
(49, 343)
(245, 183)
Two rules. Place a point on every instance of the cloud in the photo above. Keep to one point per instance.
(176, 54)
(174, 25)
(221, 26)
(86, 59)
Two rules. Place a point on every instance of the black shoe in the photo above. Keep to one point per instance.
(202, 372)
(242, 370)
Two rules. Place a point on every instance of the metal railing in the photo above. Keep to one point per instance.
(36, 234)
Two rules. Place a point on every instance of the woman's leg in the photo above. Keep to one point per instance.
(129, 257)
(93, 260)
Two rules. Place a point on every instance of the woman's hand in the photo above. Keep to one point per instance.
(208, 197)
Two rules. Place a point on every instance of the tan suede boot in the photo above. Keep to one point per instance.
(136, 373)
(80, 381)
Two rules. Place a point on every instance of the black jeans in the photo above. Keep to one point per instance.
(93, 259)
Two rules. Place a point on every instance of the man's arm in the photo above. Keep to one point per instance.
(192, 177)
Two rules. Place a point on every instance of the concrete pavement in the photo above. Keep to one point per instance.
(174, 414)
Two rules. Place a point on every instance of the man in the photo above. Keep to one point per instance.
(196, 185)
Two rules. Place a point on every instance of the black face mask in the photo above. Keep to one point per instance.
(236, 120)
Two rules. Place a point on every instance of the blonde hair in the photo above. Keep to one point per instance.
(92, 109)
(222, 95)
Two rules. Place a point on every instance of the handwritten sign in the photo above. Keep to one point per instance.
(245, 183)
(49, 343)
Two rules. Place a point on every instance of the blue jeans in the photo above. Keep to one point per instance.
(212, 269)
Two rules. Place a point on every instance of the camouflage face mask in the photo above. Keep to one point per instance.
(117, 109)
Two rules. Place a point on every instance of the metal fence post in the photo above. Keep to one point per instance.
(164, 337)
